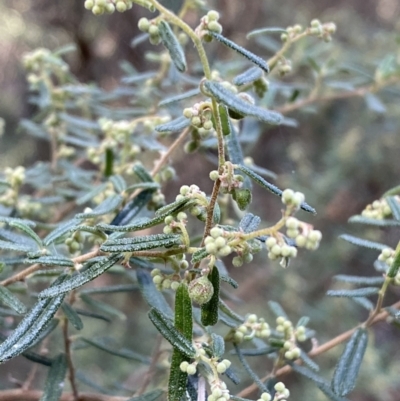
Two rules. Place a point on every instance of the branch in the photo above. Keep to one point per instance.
(319, 350)
(34, 395)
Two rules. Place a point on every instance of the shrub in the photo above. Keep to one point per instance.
(98, 208)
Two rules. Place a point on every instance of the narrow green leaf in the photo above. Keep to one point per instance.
(270, 187)
(133, 208)
(308, 361)
(218, 345)
(142, 173)
(171, 334)
(177, 379)
(394, 207)
(27, 230)
(118, 182)
(364, 302)
(178, 98)
(170, 41)
(172, 207)
(261, 31)
(346, 372)
(136, 226)
(229, 312)
(61, 230)
(395, 266)
(109, 162)
(240, 106)
(359, 280)
(183, 312)
(142, 185)
(374, 222)
(6, 219)
(150, 396)
(107, 206)
(20, 340)
(363, 242)
(318, 380)
(250, 372)
(82, 277)
(277, 309)
(141, 243)
(199, 255)
(108, 345)
(104, 307)
(110, 289)
(176, 125)
(88, 196)
(393, 191)
(225, 121)
(9, 299)
(150, 293)
(209, 311)
(51, 261)
(229, 280)
(359, 292)
(72, 316)
(258, 61)
(55, 379)
(248, 76)
(12, 246)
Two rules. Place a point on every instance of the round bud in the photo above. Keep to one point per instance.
(214, 26)
(110, 8)
(252, 318)
(121, 6)
(247, 258)
(181, 216)
(276, 250)
(242, 329)
(301, 241)
(279, 387)
(207, 125)
(216, 232)
(166, 284)
(315, 23)
(270, 242)
(153, 30)
(298, 198)
(387, 253)
(144, 24)
(289, 355)
(287, 196)
(188, 113)
(213, 15)
(183, 366)
(280, 320)
(184, 264)
(237, 261)
(89, 4)
(227, 363)
(155, 272)
(272, 256)
(265, 333)
(211, 248)
(292, 222)
(157, 279)
(167, 230)
(292, 232)
(296, 352)
(286, 250)
(191, 370)
(225, 251)
(287, 324)
(266, 397)
(238, 337)
(214, 175)
(287, 345)
(221, 368)
(96, 10)
(315, 236)
(201, 290)
(174, 285)
(220, 242)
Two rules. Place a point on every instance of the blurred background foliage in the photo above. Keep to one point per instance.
(343, 155)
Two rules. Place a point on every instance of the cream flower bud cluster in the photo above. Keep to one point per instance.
(200, 115)
(303, 235)
(209, 23)
(219, 391)
(216, 244)
(279, 249)
(282, 393)
(99, 7)
(387, 256)
(378, 209)
(162, 282)
(252, 327)
(290, 334)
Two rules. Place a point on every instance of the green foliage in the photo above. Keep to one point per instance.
(96, 216)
